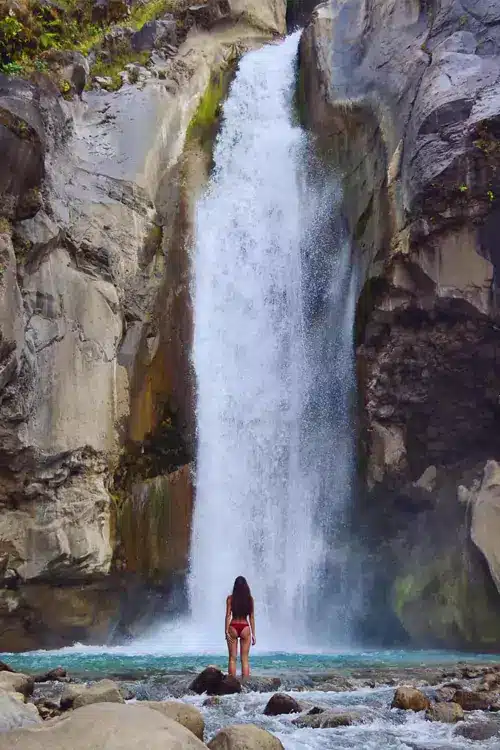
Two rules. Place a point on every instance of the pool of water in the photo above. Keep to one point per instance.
(128, 659)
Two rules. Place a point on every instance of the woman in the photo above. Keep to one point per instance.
(239, 608)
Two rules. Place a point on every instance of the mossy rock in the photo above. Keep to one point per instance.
(448, 601)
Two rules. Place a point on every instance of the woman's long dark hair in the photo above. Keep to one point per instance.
(241, 602)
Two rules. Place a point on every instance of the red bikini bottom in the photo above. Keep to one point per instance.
(238, 626)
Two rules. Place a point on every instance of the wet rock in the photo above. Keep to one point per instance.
(448, 713)
(471, 701)
(408, 698)
(189, 716)
(490, 681)
(14, 713)
(479, 731)
(444, 694)
(327, 720)
(59, 674)
(244, 737)
(104, 691)
(260, 684)
(154, 35)
(5, 667)
(213, 682)
(212, 701)
(281, 703)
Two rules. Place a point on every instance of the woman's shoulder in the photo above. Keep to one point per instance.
(229, 598)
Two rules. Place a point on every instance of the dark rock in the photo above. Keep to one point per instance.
(408, 698)
(5, 667)
(117, 41)
(155, 34)
(315, 710)
(208, 681)
(72, 66)
(327, 720)
(479, 732)
(229, 685)
(260, 684)
(281, 703)
(110, 11)
(59, 674)
(471, 701)
(448, 713)
(213, 700)
(206, 15)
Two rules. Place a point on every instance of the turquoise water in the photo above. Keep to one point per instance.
(122, 660)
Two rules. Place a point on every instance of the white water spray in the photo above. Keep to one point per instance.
(272, 353)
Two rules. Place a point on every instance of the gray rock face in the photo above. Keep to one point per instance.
(406, 101)
(14, 714)
(155, 34)
(95, 324)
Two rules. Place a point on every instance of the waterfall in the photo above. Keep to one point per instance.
(273, 303)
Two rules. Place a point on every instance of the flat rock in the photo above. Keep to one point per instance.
(102, 727)
(260, 684)
(104, 691)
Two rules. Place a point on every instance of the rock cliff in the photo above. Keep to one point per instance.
(405, 100)
(96, 412)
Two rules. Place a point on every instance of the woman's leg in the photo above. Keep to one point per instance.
(232, 645)
(245, 640)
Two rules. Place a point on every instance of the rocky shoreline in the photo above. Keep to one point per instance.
(41, 710)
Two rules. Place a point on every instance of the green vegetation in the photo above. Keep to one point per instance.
(205, 122)
(30, 29)
(115, 67)
(4, 225)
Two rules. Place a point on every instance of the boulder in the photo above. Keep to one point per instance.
(213, 682)
(15, 682)
(5, 667)
(409, 698)
(472, 701)
(59, 674)
(102, 727)
(71, 66)
(326, 720)
(104, 691)
(479, 731)
(185, 714)
(14, 713)
(448, 713)
(155, 34)
(243, 737)
(281, 703)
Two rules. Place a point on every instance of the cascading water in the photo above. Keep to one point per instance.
(273, 358)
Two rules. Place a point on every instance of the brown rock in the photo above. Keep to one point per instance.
(409, 698)
(213, 682)
(281, 703)
(445, 694)
(59, 674)
(326, 720)
(448, 713)
(183, 713)
(471, 701)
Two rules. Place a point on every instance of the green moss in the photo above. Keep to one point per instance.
(4, 225)
(205, 122)
(116, 66)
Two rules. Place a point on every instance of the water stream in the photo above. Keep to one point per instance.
(273, 356)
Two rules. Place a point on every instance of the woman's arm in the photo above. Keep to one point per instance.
(252, 624)
(228, 616)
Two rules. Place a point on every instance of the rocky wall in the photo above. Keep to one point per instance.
(404, 98)
(96, 387)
